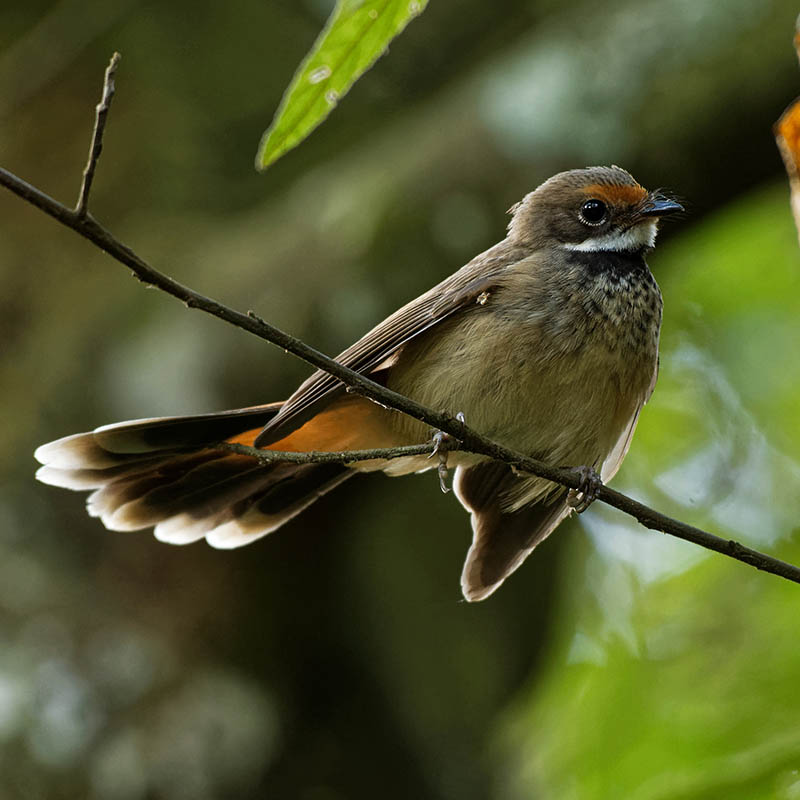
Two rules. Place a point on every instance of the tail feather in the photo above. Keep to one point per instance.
(502, 537)
(284, 498)
(81, 479)
(165, 473)
(126, 442)
(163, 433)
(81, 451)
(177, 482)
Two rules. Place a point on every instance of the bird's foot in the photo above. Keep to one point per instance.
(581, 498)
(441, 445)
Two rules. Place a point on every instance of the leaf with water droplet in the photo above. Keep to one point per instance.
(319, 74)
(354, 38)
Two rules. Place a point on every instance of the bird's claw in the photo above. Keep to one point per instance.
(581, 498)
(441, 445)
(441, 471)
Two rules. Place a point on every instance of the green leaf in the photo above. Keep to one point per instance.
(356, 35)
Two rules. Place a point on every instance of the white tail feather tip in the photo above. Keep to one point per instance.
(232, 534)
(59, 454)
(181, 529)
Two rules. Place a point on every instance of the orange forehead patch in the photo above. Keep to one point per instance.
(617, 195)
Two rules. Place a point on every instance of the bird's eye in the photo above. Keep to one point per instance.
(593, 212)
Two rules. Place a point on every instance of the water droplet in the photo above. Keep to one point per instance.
(414, 7)
(319, 74)
(331, 97)
(373, 13)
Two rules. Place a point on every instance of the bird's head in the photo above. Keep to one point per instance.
(597, 209)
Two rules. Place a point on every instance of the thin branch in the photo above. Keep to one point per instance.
(325, 457)
(646, 516)
(470, 441)
(90, 229)
(96, 147)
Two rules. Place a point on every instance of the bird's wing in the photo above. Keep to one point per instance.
(376, 350)
(613, 460)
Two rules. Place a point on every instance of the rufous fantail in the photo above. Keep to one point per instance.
(547, 343)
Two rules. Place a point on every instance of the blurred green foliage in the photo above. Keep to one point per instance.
(334, 659)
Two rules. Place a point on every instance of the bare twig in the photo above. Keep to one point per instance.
(643, 514)
(470, 441)
(96, 146)
(325, 457)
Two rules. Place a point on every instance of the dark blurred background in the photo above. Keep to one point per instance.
(335, 659)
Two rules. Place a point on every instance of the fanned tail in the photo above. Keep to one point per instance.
(166, 473)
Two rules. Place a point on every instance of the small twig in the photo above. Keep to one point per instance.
(468, 440)
(325, 457)
(96, 146)
(646, 516)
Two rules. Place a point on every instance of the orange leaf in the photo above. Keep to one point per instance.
(787, 135)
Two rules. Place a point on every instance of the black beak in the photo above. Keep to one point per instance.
(659, 206)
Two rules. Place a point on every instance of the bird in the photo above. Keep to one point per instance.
(547, 343)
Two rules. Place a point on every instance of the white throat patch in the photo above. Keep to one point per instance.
(641, 235)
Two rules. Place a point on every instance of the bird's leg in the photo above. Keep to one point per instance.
(581, 498)
(441, 446)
